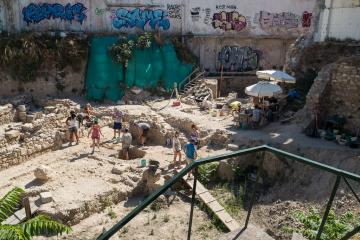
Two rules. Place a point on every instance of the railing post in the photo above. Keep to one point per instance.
(328, 207)
(195, 173)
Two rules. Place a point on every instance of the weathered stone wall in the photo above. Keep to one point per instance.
(7, 114)
(336, 92)
(237, 84)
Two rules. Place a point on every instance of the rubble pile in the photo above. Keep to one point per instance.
(7, 114)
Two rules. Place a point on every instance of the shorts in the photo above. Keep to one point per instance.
(73, 129)
(145, 132)
(189, 160)
(95, 137)
(117, 126)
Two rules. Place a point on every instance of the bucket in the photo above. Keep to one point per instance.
(143, 163)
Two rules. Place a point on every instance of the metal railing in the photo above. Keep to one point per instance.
(340, 174)
(188, 78)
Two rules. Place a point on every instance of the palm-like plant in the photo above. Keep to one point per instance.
(37, 226)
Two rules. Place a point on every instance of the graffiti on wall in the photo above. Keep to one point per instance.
(285, 19)
(101, 11)
(224, 6)
(306, 19)
(238, 59)
(140, 18)
(195, 14)
(207, 19)
(35, 13)
(174, 11)
(229, 21)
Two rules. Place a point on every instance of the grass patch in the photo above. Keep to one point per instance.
(225, 196)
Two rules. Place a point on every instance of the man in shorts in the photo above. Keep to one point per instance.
(144, 129)
(117, 117)
(190, 153)
(126, 143)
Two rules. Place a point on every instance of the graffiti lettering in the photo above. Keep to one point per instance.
(223, 7)
(195, 14)
(229, 21)
(174, 11)
(306, 19)
(140, 18)
(285, 20)
(238, 59)
(207, 19)
(35, 13)
(100, 11)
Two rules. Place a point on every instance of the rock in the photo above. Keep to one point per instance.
(117, 170)
(21, 108)
(30, 118)
(43, 173)
(46, 197)
(12, 134)
(225, 170)
(28, 127)
(22, 116)
(297, 236)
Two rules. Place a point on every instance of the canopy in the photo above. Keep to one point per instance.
(263, 89)
(277, 76)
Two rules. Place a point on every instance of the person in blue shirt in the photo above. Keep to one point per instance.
(190, 153)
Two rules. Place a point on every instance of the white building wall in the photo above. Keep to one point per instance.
(339, 19)
(279, 18)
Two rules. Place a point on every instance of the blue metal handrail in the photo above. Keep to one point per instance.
(341, 174)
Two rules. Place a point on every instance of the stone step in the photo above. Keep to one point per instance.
(252, 232)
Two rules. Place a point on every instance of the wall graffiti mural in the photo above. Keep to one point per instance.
(306, 19)
(238, 59)
(174, 11)
(224, 6)
(195, 14)
(35, 13)
(140, 18)
(207, 19)
(285, 19)
(229, 21)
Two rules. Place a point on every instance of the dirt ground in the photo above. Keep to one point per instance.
(90, 197)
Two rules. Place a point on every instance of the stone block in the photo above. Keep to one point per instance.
(118, 170)
(43, 173)
(12, 134)
(46, 197)
(232, 147)
(30, 118)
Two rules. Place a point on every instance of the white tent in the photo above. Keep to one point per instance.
(263, 89)
(277, 76)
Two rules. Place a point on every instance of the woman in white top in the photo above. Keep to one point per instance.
(177, 149)
(73, 126)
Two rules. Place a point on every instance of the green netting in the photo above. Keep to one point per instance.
(147, 69)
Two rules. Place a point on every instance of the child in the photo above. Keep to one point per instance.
(73, 126)
(177, 148)
(95, 135)
(190, 153)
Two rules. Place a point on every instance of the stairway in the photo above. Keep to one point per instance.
(193, 79)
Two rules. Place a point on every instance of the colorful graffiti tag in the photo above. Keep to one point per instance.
(35, 13)
(140, 18)
(229, 21)
(285, 19)
(174, 10)
(306, 19)
(238, 59)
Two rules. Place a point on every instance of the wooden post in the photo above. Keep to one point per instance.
(26, 204)
(220, 82)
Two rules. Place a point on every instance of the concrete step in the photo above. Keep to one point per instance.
(252, 232)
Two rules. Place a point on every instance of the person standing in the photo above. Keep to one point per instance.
(126, 143)
(117, 117)
(195, 134)
(190, 153)
(144, 129)
(73, 127)
(176, 148)
(256, 117)
(95, 132)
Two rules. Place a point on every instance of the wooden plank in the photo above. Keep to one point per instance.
(213, 205)
(20, 215)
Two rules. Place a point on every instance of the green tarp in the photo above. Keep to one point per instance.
(148, 68)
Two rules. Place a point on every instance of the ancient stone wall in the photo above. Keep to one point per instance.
(7, 114)
(336, 92)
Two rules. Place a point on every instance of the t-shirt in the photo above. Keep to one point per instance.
(73, 122)
(117, 116)
(190, 150)
(176, 144)
(256, 115)
(126, 139)
(143, 126)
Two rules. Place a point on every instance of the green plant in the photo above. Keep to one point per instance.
(144, 41)
(207, 171)
(36, 226)
(112, 214)
(231, 203)
(335, 227)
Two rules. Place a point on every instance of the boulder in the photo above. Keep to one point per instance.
(118, 170)
(43, 173)
(46, 197)
(12, 134)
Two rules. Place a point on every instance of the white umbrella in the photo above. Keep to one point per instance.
(263, 89)
(277, 76)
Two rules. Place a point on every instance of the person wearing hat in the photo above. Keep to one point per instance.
(73, 126)
(126, 143)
